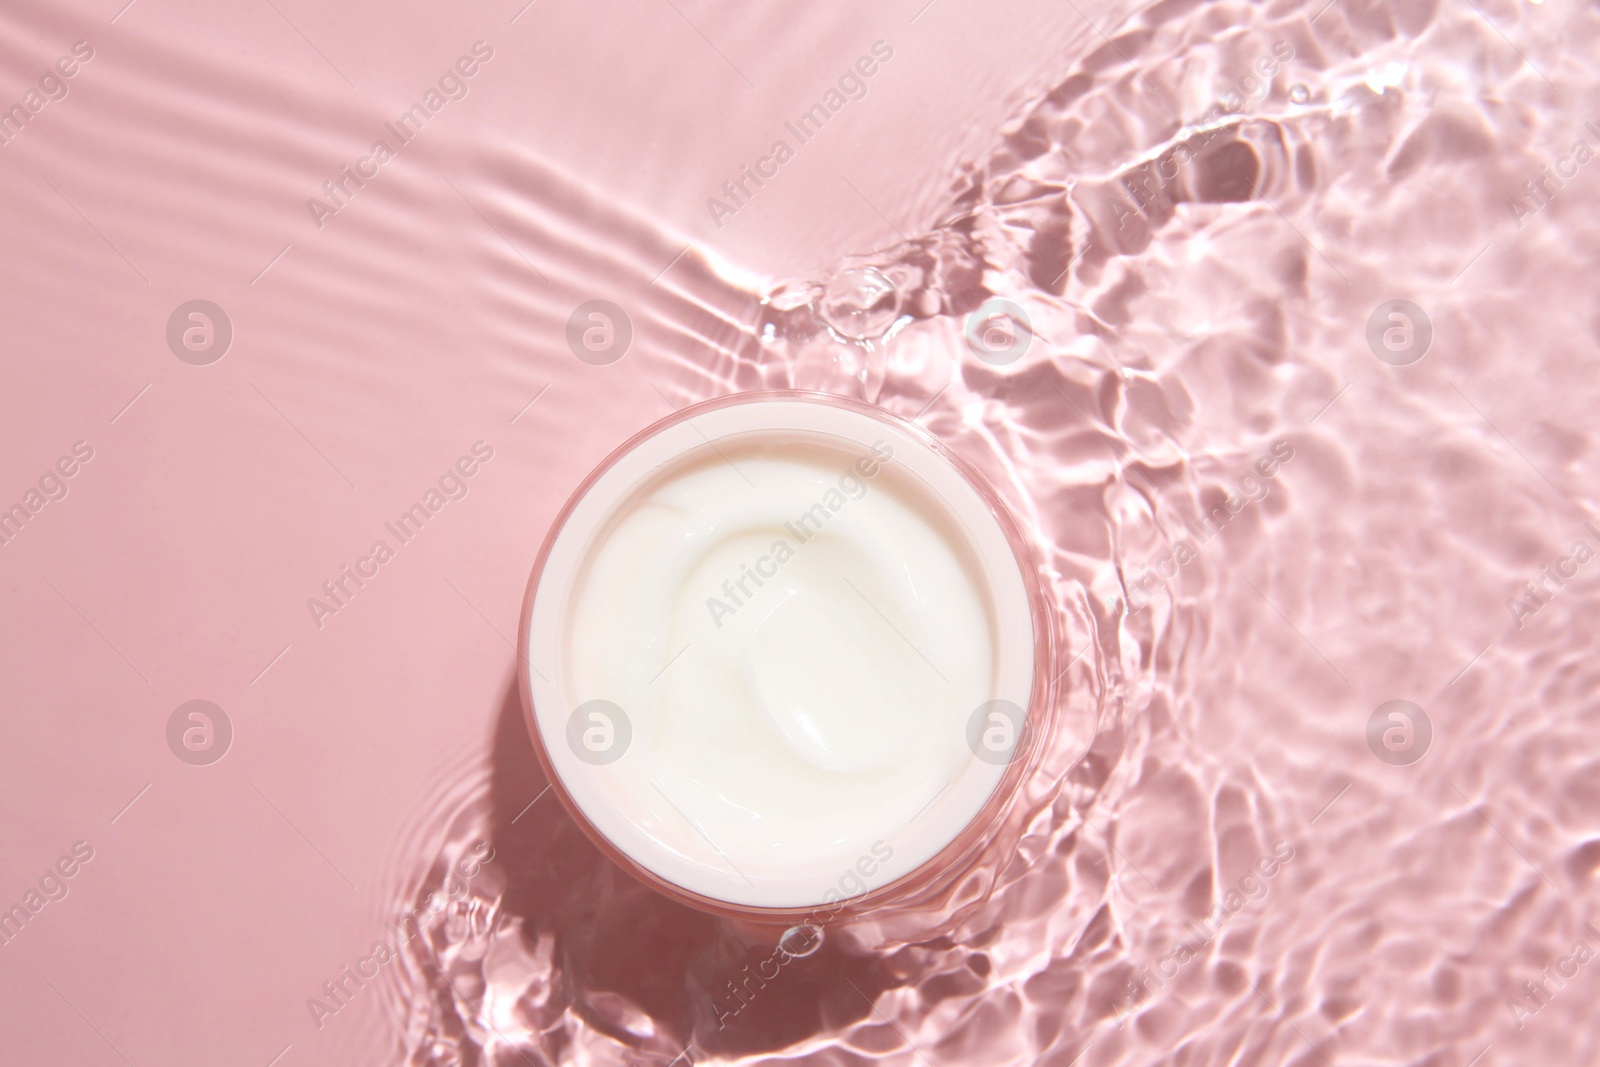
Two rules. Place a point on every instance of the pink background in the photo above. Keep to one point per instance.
(430, 313)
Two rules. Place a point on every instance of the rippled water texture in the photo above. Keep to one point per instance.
(1267, 505)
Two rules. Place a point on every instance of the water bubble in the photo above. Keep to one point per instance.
(199, 332)
(1298, 93)
(599, 332)
(800, 941)
(1399, 332)
(999, 332)
(1399, 733)
(599, 732)
(860, 303)
(199, 732)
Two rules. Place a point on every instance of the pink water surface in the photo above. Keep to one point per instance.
(1198, 205)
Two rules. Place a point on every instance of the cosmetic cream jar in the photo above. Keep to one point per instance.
(783, 654)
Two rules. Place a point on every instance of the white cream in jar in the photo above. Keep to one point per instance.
(766, 644)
